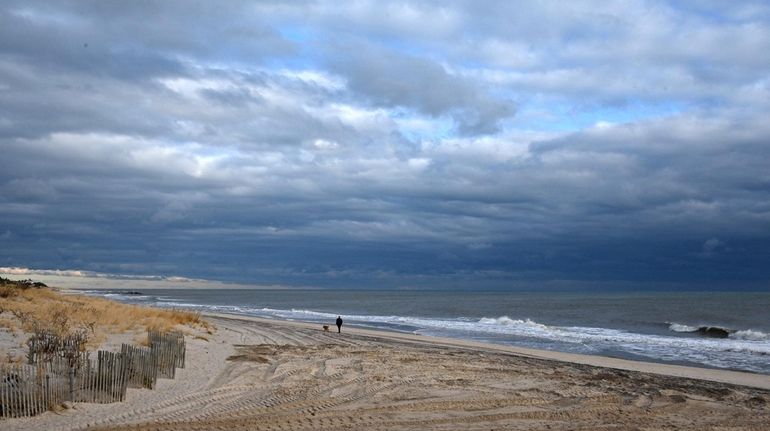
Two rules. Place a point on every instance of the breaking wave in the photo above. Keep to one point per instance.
(720, 332)
(706, 331)
(750, 335)
(715, 346)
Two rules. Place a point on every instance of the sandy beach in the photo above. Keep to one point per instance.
(257, 374)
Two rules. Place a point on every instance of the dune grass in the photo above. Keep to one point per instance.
(33, 309)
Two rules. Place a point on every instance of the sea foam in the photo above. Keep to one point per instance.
(742, 348)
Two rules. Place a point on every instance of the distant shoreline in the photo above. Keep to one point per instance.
(87, 282)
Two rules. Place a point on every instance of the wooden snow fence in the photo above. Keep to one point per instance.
(170, 349)
(30, 389)
(100, 381)
(142, 366)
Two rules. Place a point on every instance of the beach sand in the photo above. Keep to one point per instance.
(258, 374)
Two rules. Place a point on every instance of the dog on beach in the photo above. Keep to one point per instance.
(326, 328)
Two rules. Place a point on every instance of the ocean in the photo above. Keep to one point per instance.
(714, 329)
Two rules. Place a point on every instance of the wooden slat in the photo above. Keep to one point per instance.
(12, 391)
(3, 401)
(27, 391)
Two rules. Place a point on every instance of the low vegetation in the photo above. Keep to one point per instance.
(33, 308)
(10, 288)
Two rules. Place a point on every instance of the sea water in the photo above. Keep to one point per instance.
(714, 329)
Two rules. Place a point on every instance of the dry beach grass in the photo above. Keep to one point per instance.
(25, 310)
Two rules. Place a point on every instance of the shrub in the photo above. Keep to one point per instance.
(8, 291)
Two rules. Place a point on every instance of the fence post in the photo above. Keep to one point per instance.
(47, 391)
(72, 383)
(3, 405)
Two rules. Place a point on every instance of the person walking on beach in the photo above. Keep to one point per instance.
(339, 324)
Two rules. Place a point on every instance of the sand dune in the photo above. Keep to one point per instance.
(256, 374)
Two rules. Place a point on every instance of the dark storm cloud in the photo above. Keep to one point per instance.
(376, 143)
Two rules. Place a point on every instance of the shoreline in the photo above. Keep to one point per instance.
(257, 373)
(673, 368)
(741, 378)
(647, 339)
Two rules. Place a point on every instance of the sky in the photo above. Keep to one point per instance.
(388, 143)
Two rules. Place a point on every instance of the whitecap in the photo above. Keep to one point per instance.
(678, 327)
(750, 335)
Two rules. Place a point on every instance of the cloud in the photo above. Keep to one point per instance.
(390, 79)
(712, 246)
(91, 274)
(132, 41)
(395, 143)
(27, 271)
